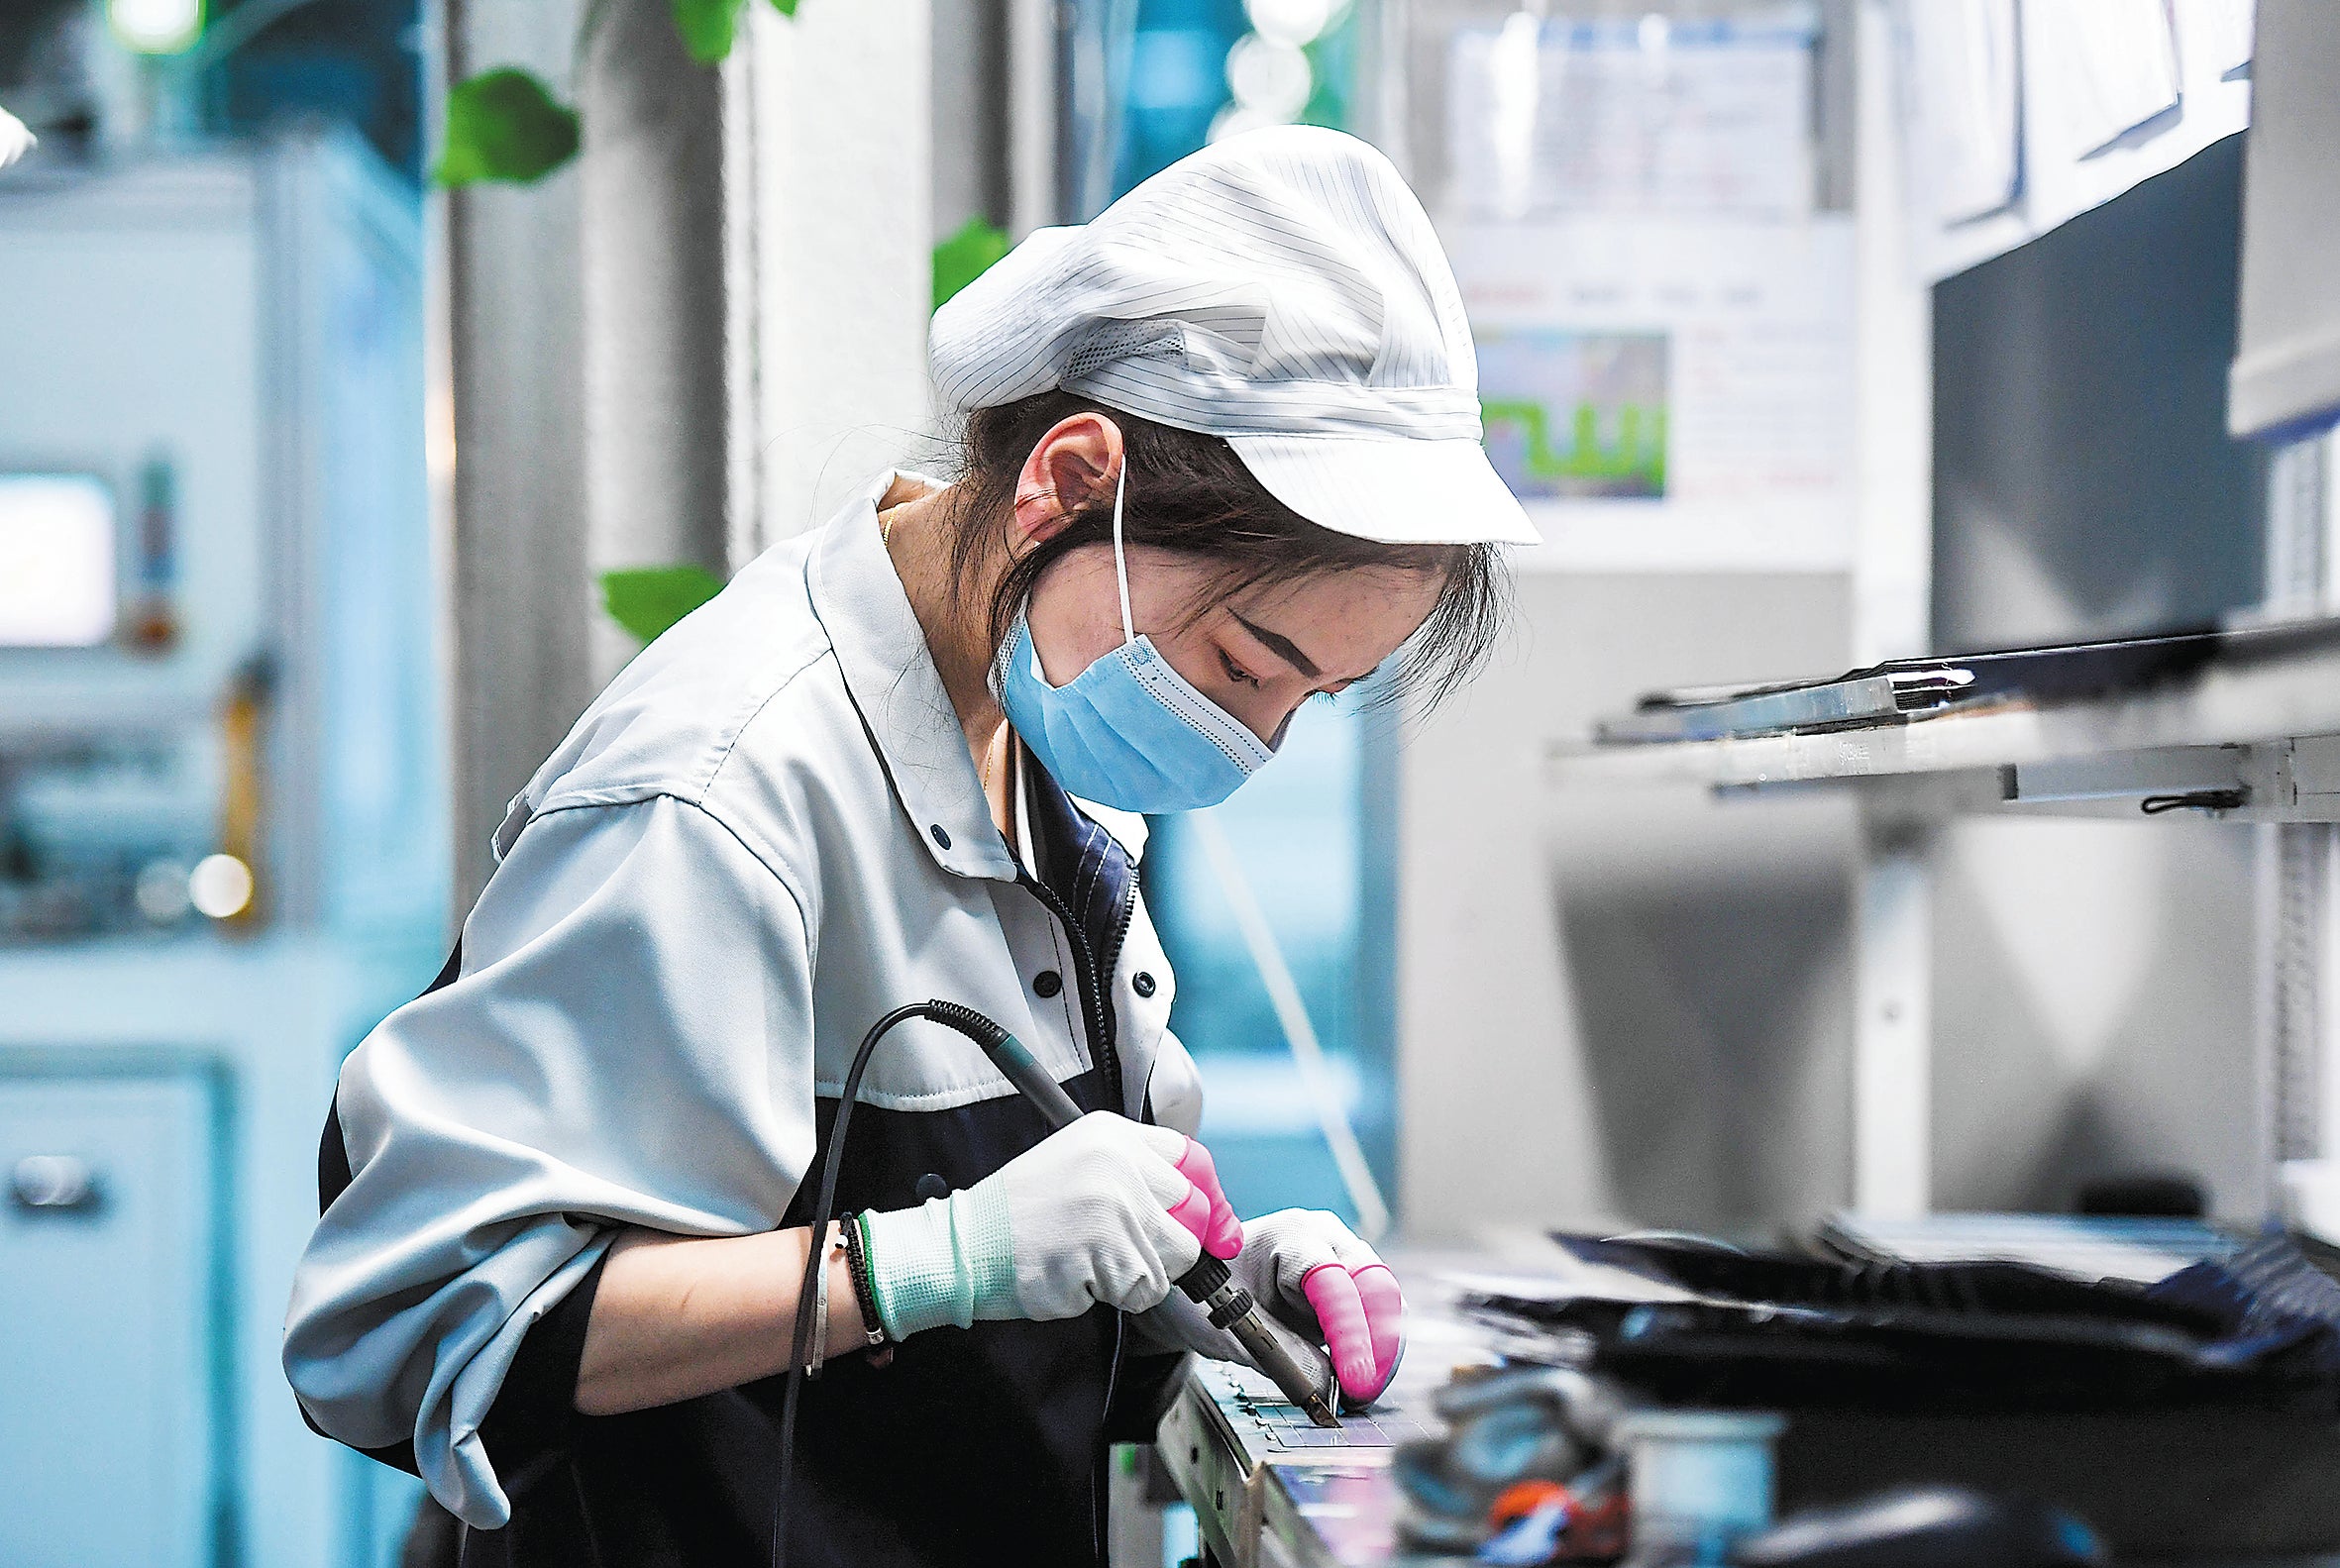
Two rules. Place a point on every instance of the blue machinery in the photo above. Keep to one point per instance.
(222, 834)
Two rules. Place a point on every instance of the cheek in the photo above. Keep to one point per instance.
(1191, 655)
(1072, 625)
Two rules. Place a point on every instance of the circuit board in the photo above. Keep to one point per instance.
(1282, 1425)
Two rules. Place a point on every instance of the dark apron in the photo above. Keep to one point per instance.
(977, 1445)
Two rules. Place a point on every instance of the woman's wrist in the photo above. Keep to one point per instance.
(843, 1323)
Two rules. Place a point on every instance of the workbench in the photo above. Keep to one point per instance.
(1270, 1490)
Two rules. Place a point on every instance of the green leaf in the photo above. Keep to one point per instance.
(966, 257)
(785, 7)
(646, 601)
(504, 125)
(709, 27)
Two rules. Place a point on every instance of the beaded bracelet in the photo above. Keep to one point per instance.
(865, 1290)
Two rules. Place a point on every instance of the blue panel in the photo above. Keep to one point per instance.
(106, 1335)
(1305, 840)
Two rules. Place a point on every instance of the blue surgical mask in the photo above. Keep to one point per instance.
(1128, 731)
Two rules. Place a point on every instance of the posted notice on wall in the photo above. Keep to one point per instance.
(1549, 115)
(1669, 393)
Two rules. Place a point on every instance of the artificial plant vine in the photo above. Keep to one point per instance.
(506, 125)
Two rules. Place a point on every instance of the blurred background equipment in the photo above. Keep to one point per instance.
(223, 840)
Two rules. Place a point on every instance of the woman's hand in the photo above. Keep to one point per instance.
(1105, 1210)
(1312, 1271)
(1308, 1269)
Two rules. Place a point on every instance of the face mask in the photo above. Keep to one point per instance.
(1129, 732)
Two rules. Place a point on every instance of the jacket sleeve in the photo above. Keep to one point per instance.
(629, 1043)
(1174, 1090)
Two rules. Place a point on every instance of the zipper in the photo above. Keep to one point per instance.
(1094, 1009)
(1089, 973)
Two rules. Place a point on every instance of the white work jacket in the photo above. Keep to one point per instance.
(766, 833)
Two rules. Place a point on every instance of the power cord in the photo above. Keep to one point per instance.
(951, 1015)
(1208, 1284)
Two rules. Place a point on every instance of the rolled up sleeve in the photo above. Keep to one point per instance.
(629, 1043)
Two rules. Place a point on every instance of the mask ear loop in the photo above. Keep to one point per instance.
(1121, 565)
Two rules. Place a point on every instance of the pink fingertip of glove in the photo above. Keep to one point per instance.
(1223, 1235)
(1385, 1317)
(1194, 1212)
(1348, 1330)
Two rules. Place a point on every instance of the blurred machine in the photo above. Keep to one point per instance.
(222, 836)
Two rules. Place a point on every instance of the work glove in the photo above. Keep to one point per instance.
(1106, 1209)
(1313, 1273)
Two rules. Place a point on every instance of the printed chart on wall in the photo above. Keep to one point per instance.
(1669, 393)
(1547, 116)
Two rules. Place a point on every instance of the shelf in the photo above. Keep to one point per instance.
(2268, 728)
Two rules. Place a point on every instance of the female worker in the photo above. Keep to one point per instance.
(1221, 457)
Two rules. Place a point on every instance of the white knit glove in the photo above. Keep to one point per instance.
(1106, 1209)
(1308, 1269)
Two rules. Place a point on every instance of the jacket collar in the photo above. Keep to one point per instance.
(892, 680)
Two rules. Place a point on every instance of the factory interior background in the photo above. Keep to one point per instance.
(357, 423)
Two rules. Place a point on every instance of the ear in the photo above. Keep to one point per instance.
(1074, 465)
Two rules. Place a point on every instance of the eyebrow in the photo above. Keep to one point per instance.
(1281, 646)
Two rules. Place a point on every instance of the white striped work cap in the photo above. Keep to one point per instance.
(1282, 289)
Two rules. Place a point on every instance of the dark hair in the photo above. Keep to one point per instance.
(1190, 494)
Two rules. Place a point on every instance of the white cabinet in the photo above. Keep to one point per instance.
(110, 1275)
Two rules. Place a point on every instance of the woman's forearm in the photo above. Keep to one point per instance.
(677, 1316)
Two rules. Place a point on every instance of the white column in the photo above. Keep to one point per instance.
(1033, 88)
(1894, 561)
(840, 98)
(516, 332)
(1892, 595)
(2300, 879)
(1892, 1031)
(653, 257)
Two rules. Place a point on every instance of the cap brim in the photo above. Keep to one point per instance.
(1396, 492)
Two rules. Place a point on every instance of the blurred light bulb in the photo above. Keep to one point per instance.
(1293, 22)
(155, 27)
(1235, 120)
(1273, 80)
(220, 885)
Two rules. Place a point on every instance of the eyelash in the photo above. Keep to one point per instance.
(1236, 672)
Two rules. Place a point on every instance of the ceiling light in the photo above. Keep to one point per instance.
(220, 885)
(155, 27)
(1271, 79)
(1293, 22)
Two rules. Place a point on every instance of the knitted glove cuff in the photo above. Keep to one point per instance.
(950, 1260)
